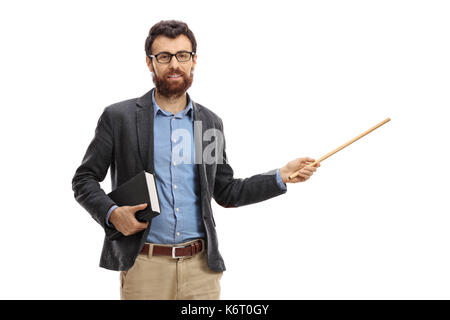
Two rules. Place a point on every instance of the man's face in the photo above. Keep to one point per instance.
(163, 79)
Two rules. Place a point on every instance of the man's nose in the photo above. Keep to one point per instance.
(174, 63)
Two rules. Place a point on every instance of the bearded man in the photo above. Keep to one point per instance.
(175, 255)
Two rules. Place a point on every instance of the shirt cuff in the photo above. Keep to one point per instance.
(280, 182)
(109, 213)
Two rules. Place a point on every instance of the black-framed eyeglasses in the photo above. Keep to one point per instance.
(166, 57)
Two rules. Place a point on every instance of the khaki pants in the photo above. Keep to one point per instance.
(163, 277)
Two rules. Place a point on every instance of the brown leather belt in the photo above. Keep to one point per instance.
(174, 251)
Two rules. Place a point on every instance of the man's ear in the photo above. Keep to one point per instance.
(194, 62)
(149, 63)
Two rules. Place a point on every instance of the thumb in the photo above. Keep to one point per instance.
(138, 207)
(305, 162)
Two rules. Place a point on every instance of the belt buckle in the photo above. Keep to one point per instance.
(173, 252)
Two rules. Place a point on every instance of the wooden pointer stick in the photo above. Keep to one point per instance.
(292, 176)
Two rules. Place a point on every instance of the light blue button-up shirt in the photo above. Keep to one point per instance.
(177, 178)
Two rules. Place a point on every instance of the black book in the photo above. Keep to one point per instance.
(139, 189)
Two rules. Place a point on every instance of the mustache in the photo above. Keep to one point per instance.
(172, 71)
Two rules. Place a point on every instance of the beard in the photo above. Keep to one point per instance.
(173, 88)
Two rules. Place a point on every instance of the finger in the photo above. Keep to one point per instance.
(306, 160)
(316, 165)
(143, 225)
(306, 172)
(311, 167)
(138, 225)
(138, 207)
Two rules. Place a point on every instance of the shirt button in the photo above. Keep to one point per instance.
(174, 140)
(174, 163)
(176, 209)
(174, 186)
(178, 234)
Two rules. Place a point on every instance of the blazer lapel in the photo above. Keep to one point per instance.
(200, 126)
(144, 123)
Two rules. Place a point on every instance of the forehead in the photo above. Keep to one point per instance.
(163, 43)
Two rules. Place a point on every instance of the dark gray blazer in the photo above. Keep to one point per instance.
(123, 141)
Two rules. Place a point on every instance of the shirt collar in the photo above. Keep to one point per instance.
(188, 110)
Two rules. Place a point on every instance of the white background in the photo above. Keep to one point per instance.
(290, 79)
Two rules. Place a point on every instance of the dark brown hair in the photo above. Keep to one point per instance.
(170, 29)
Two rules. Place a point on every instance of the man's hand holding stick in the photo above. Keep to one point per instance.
(301, 169)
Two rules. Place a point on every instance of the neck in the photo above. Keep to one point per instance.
(171, 104)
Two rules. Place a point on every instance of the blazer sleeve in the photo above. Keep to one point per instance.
(93, 169)
(236, 192)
